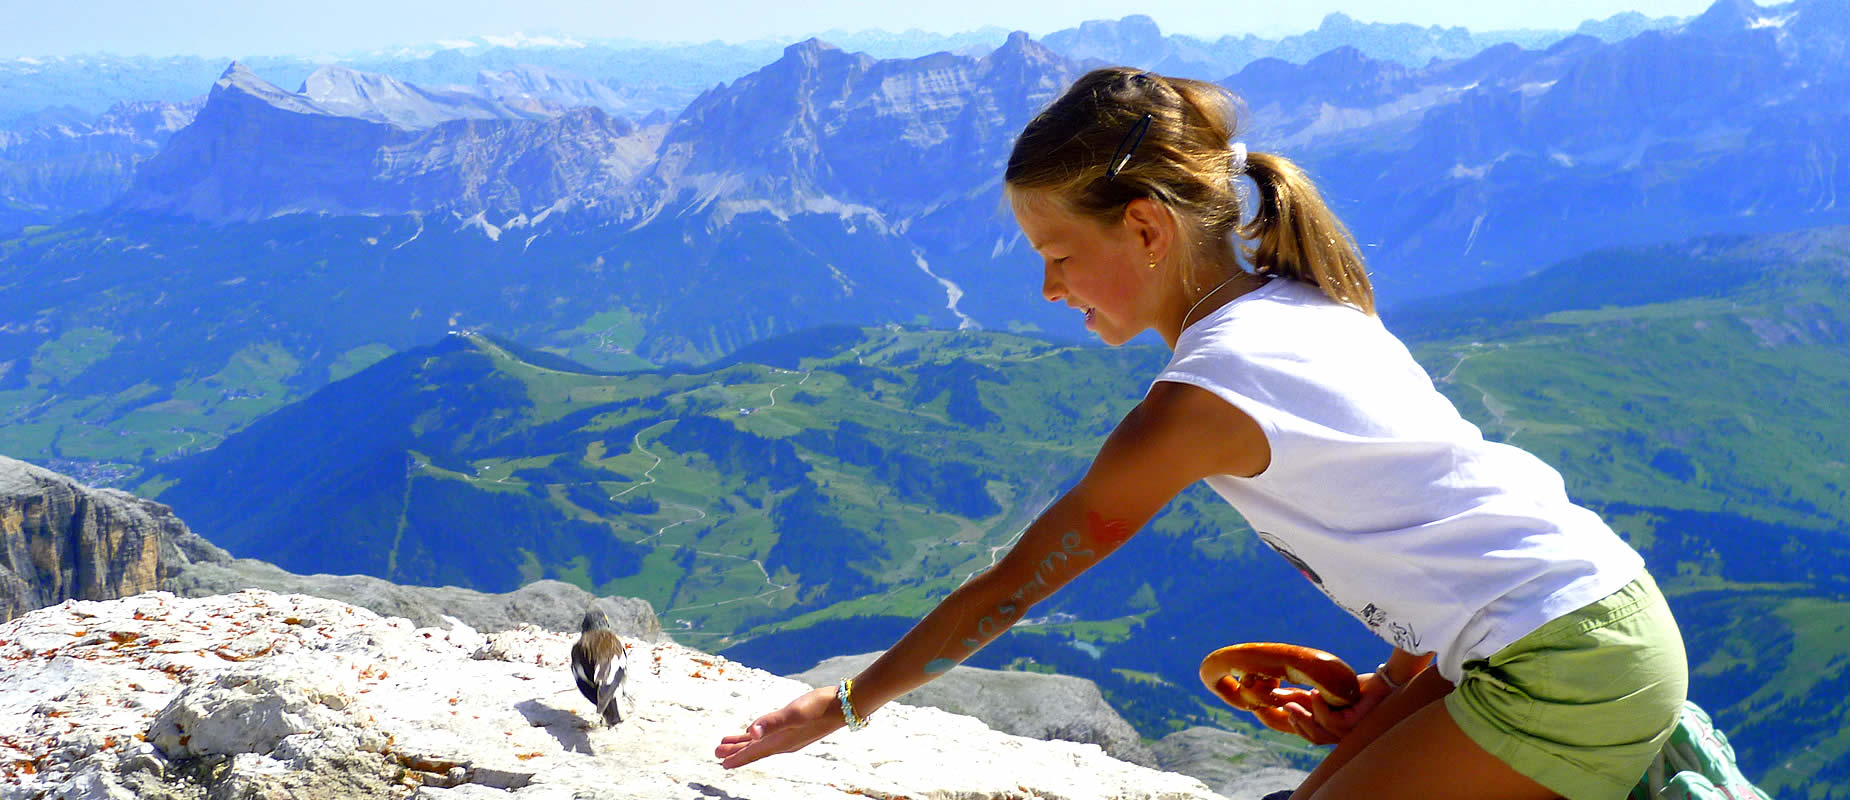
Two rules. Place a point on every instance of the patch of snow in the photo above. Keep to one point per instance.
(1533, 89)
(952, 293)
(480, 219)
(523, 40)
(558, 205)
(1471, 239)
(414, 235)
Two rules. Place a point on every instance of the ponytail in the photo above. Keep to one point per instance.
(1295, 235)
(1169, 142)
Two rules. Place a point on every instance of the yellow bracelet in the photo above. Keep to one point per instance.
(842, 689)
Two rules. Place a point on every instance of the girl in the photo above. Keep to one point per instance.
(1532, 656)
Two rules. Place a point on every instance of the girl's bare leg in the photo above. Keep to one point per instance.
(1410, 747)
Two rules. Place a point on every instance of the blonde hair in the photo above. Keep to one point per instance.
(1184, 161)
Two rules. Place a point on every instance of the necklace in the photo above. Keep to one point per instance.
(1223, 284)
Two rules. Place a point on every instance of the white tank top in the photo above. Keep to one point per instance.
(1381, 494)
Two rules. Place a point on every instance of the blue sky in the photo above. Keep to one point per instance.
(310, 27)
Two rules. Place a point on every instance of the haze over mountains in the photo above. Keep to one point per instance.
(649, 76)
(473, 304)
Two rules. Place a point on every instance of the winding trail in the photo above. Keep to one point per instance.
(647, 474)
(699, 514)
(1496, 408)
(774, 389)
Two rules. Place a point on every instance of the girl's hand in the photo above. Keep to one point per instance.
(1314, 719)
(786, 730)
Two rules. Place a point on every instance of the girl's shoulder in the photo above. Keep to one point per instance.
(1284, 316)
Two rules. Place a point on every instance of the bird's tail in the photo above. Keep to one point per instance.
(612, 689)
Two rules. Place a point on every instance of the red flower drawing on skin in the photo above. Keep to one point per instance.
(1109, 532)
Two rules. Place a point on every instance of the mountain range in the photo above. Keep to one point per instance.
(635, 80)
(659, 76)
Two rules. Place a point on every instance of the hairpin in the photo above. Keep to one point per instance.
(1132, 138)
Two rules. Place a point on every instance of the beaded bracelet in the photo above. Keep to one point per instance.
(1382, 673)
(842, 689)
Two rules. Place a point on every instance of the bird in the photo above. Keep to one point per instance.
(600, 666)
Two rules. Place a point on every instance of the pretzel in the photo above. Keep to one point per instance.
(1247, 677)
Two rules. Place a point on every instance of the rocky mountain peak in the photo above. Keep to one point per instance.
(1337, 21)
(534, 88)
(236, 72)
(809, 48)
(238, 82)
(1021, 50)
(1134, 41)
(370, 96)
(813, 55)
(1725, 17)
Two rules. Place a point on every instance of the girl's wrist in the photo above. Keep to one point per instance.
(1381, 674)
(843, 696)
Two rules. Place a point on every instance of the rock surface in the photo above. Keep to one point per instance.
(60, 540)
(1066, 708)
(547, 604)
(1229, 763)
(260, 695)
(1027, 704)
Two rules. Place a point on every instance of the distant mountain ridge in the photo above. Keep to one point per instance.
(62, 162)
(1453, 174)
(369, 145)
(1135, 40)
(646, 76)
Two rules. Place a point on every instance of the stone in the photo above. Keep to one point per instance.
(357, 705)
(1030, 704)
(61, 540)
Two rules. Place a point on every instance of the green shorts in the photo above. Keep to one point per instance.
(1583, 703)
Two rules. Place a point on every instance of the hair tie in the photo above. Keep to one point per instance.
(1239, 159)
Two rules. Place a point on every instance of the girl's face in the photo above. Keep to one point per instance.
(1096, 268)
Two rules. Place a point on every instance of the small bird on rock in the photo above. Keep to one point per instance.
(599, 665)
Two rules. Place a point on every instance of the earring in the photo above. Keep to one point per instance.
(1152, 261)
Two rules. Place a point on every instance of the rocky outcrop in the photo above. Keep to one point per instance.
(548, 604)
(1232, 764)
(1066, 708)
(369, 145)
(260, 695)
(60, 540)
(1022, 703)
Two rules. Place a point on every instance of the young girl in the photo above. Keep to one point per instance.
(1532, 656)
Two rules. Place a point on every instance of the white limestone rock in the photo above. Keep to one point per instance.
(260, 695)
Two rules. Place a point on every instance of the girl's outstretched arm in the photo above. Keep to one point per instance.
(1176, 436)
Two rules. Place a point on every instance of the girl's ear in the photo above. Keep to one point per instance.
(1151, 224)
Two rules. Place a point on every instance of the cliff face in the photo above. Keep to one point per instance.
(60, 541)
